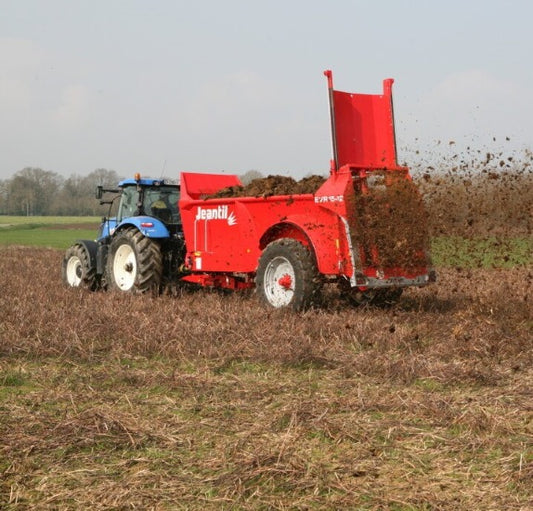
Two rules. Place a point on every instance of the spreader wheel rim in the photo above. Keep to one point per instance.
(287, 276)
(279, 282)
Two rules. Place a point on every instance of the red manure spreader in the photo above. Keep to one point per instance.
(363, 228)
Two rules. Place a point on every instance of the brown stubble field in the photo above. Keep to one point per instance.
(209, 401)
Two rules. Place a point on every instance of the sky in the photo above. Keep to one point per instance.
(162, 86)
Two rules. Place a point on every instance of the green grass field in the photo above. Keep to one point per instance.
(43, 231)
(448, 251)
(491, 252)
(14, 221)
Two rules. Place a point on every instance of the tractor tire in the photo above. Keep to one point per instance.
(134, 263)
(287, 276)
(76, 270)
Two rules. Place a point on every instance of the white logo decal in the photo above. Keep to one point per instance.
(218, 213)
(232, 220)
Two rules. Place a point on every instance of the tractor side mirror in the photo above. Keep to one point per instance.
(99, 191)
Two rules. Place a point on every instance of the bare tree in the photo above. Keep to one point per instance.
(32, 191)
(77, 194)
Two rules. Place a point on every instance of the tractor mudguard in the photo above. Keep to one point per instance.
(91, 247)
(101, 256)
(149, 226)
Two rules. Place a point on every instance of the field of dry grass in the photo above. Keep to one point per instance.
(208, 401)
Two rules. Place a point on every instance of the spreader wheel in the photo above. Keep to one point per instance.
(134, 264)
(77, 270)
(287, 275)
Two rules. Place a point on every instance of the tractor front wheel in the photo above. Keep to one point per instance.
(134, 264)
(77, 270)
(287, 275)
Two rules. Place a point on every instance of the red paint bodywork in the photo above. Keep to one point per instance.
(226, 236)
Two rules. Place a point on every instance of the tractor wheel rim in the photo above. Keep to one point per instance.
(125, 267)
(74, 271)
(279, 282)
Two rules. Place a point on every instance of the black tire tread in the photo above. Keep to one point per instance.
(307, 286)
(149, 261)
(88, 279)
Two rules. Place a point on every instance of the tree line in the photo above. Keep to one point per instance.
(36, 192)
(33, 191)
(482, 201)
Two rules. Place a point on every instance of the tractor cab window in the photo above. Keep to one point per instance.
(128, 202)
(162, 202)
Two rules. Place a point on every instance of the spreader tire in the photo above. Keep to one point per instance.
(134, 263)
(287, 275)
(77, 270)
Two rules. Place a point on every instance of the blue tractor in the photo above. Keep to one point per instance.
(140, 249)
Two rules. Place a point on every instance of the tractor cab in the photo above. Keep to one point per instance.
(149, 197)
(151, 205)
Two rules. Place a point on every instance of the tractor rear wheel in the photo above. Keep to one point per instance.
(134, 263)
(77, 270)
(287, 275)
